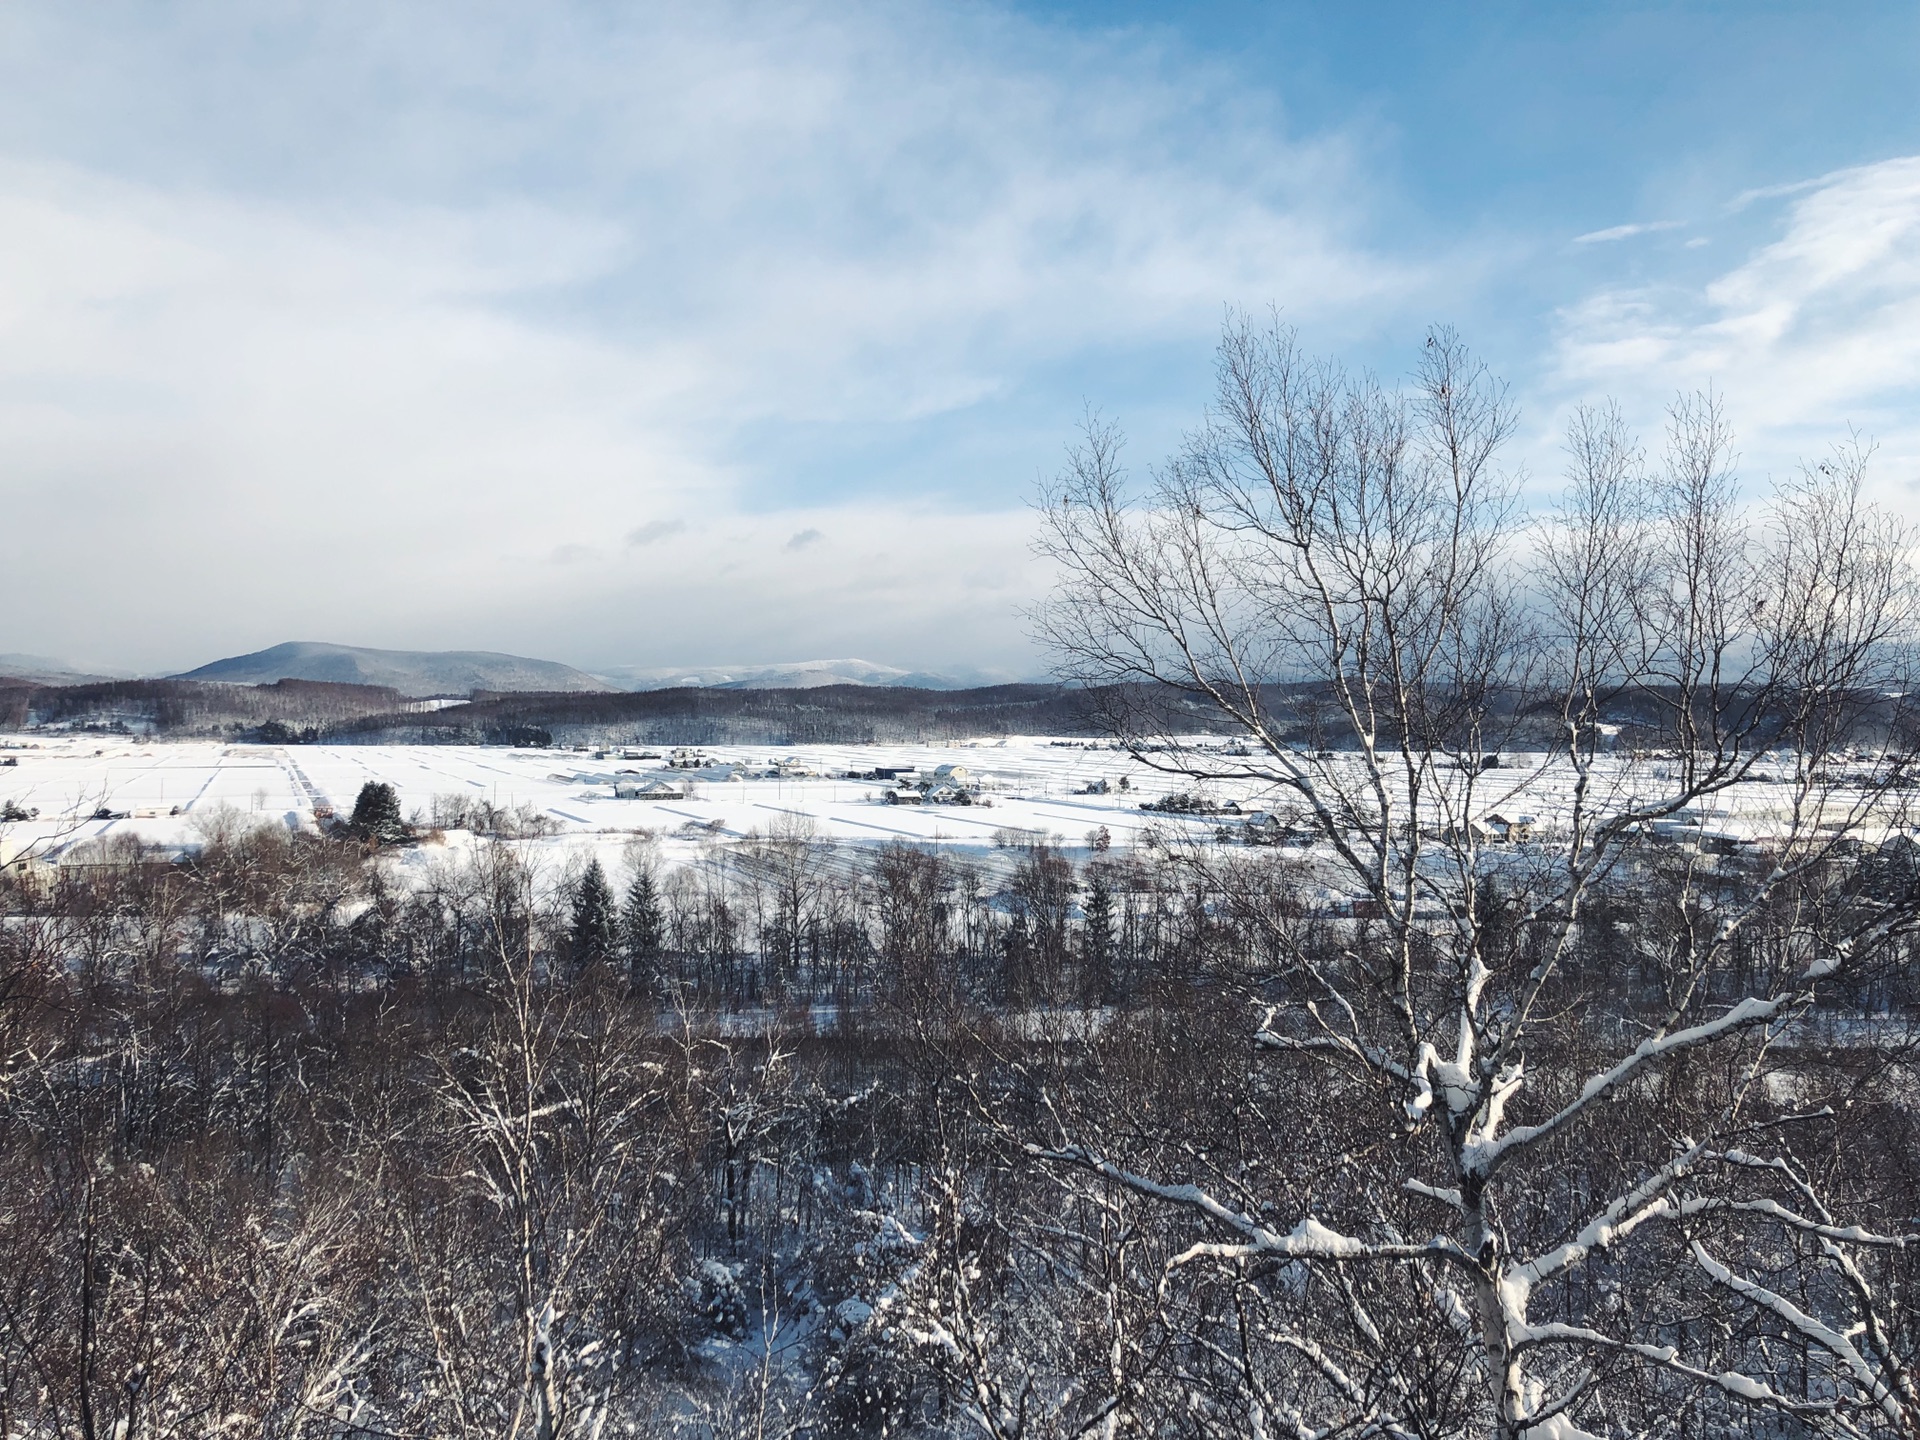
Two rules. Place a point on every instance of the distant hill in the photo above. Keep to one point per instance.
(411, 672)
(724, 715)
(791, 675)
(44, 670)
(284, 710)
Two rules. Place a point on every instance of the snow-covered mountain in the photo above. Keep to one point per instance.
(44, 670)
(458, 672)
(793, 675)
(411, 672)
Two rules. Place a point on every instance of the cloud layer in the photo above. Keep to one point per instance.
(575, 336)
(1812, 332)
(649, 336)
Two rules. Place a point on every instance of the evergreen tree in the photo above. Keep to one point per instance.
(642, 930)
(1017, 949)
(1096, 940)
(376, 814)
(593, 933)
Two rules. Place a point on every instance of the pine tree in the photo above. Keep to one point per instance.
(642, 930)
(1096, 940)
(376, 814)
(593, 918)
(1018, 952)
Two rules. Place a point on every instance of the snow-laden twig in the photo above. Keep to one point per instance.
(1308, 1240)
(1852, 1362)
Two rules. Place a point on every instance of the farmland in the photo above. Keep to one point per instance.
(1015, 790)
(165, 792)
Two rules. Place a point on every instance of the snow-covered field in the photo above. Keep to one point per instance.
(166, 792)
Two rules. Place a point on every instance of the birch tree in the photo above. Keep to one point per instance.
(1340, 575)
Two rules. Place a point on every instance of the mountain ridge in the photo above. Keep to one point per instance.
(414, 673)
(422, 673)
(45, 670)
(791, 675)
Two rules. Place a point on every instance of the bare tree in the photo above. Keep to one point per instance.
(1339, 574)
(784, 868)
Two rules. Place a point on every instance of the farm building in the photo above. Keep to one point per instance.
(643, 789)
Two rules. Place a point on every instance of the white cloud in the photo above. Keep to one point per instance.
(654, 531)
(1809, 334)
(387, 332)
(1625, 232)
(1771, 192)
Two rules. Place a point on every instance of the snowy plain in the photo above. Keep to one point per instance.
(1032, 786)
(166, 791)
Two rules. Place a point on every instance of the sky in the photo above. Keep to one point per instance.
(636, 335)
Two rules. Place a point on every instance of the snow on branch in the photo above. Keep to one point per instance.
(1732, 1382)
(1809, 1326)
(1309, 1240)
(1486, 1156)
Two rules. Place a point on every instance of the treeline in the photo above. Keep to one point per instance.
(304, 710)
(294, 708)
(747, 1146)
(832, 714)
(311, 711)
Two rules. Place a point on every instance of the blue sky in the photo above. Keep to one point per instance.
(720, 333)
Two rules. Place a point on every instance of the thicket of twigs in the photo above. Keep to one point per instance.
(287, 1150)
